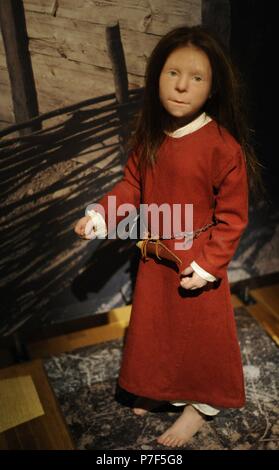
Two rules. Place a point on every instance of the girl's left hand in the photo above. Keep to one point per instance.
(193, 282)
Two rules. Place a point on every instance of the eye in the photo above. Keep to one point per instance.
(172, 73)
(197, 78)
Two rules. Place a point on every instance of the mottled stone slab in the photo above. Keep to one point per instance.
(85, 381)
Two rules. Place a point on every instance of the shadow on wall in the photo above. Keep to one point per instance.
(47, 180)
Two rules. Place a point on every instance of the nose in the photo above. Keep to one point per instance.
(182, 83)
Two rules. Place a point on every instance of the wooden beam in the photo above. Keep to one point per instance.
(133, 103)
(119, 70)
(47, 432)
(116, 54)
(13, 26)
(117, 322)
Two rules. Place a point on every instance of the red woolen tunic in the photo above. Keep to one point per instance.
(182, 344)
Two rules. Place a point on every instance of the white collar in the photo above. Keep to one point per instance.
(193, 126)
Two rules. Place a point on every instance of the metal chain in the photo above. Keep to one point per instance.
(194, 234)
(203, 229)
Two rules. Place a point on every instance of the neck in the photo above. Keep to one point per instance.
(176, 123)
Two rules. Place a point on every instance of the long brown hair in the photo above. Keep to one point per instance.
(225, 105)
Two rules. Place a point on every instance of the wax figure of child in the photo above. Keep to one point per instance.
(190, 146)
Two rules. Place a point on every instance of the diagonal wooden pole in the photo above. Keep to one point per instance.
(13, 27)
(119, 70)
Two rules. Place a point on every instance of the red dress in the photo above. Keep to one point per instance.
(181, 344)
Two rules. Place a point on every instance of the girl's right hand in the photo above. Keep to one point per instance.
(85, 229)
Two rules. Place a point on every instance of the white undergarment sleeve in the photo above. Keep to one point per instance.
(96, 227)
(202, 273)
(202, 407)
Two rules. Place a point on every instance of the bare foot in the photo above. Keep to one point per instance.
(188, 423)
(145, 404)
(139, 411)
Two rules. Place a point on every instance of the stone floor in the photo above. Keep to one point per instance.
(85, 381)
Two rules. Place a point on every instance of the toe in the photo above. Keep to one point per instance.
(182, 443)
(168, 440)
(139, 411)
(162, 437)
(178, 443)
(170, 443)
(174, 442)
(162, 440)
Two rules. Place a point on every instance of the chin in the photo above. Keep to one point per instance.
(180, 115)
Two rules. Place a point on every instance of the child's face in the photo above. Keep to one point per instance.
(185, 83)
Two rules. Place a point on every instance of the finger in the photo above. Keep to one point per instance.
(78, 228)
(186, 285)
(189, 283)
(187, 288)
(198, 279)
(187, 270)
(79, 232)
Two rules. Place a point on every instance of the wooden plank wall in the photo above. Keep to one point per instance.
(68, 46)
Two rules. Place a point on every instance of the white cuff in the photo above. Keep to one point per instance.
(202, 273)
(97, 223)
(205, 409)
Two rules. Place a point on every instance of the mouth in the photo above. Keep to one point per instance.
(178, 102)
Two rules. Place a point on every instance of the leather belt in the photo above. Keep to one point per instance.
(154, 246)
